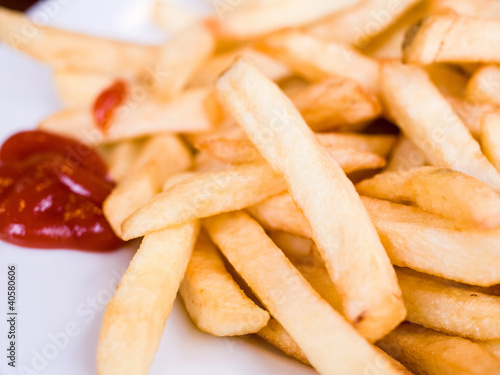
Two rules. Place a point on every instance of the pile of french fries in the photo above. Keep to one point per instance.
(245, 158)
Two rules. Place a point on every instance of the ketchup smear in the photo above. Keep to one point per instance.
(107, 103)
(51, 194)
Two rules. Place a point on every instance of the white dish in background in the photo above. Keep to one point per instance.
(60, 287)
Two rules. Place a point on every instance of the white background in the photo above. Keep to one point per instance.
(57, 288)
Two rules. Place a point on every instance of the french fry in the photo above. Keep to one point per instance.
(359, 24)
(448, 79)
(119, 157)
(483, 85)
(492, 345)
(490, 137)
(412, 238)
(321, 333)
(317, 60)
(336, 104)
(452, 38)
(473, 8)
(425, 351)
(128, 340)
(212, 298)
(78, 89)
(405, 156)
(272, 16)
(275, 334)
(436, 129)
(204, 163)
(193, 111)
(171, 17)
(451, 194)
(370, 297)
(215, 66)
(449, 309)
(297, 249)
(71, 51)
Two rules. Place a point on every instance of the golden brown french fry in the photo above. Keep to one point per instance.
(193, 111)
(490, 137)
(128, 341)
(275, 334)
(359, 24)
(330, 344)
(212, 298)
(296, 248)
(452, 38)
(120, 156)
(412, 238)
(172, 17)
(492, 345)
(425, 351)
(405, 156)
(451, 194)
(484, 85)
(215, 66)
(448, 79)
(256, 21)
(473, 8)
(371, 296)
(449, 309)
(67, 50)
(471, 113)
(80, 88)
(317, 60)
(435, 129)
(336, 104)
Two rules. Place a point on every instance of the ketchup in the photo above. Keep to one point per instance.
(51, 194)
(107, 103)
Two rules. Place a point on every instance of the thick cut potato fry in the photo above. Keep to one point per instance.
(120, 156)
(135, 318)
(435, 129)
(215, 66)
(425, 351)
(213, 300)
(412, 238)
(449, 309)
(483, 86)
(405, 156)
(317, 60)
(359, 24)
(78, 89)
(275, 334)
(451, 194)
(490, 137)
(193, 111)
(296, 248)
(67, 50)
(336, 104)
(473, 8)
(353, 255)
(330, 344)
(452, 38)
(171, 17)
(272, 16)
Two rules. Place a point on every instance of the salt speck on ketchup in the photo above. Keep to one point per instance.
(51, 194)
(107, 102)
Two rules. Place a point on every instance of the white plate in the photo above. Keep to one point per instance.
(57, 288)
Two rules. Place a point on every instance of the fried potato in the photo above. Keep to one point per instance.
(272, 16)
(317, 60)
(448, 79)
(483, 85)
(212, 298)
(336, 104)
(71, 51)
(452, 38)
(297, 249)
(330, 344)
(171, 17)
(405, 156)
(275, 334)
(215, 66)
(359, 24)
(473, 8)
(451, 194)
(412, 238)
(120, 156)
(435, 129)
(193, 111)
(325, 195)
(425, 351)
(449, 309)
(135, 318)
(490, 137)
(492, 345)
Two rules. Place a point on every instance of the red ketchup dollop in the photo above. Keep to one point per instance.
(107, 102)
(51, 194)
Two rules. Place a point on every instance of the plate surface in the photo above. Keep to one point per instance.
(60, 290)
